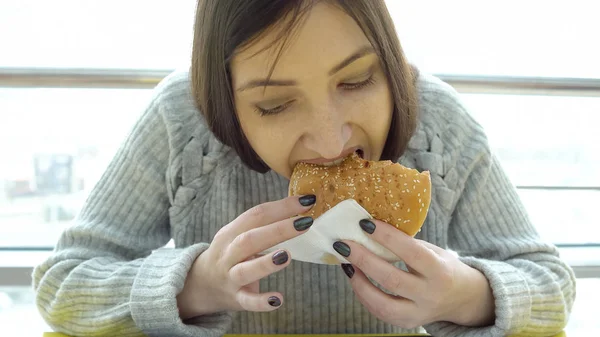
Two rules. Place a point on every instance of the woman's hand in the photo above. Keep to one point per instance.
(226, 276)
(438, 286)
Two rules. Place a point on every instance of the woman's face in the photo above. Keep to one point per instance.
(327, 97)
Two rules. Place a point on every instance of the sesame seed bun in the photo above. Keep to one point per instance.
(389, 191)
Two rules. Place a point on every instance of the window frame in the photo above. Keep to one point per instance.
(16, 264)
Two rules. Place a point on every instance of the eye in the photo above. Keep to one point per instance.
(358, 85)
(273, 111)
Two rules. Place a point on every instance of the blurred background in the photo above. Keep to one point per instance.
(75, 74)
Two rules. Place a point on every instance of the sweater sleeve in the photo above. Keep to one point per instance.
(533, 288)
(108, 275)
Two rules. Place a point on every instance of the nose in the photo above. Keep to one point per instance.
(327, 133)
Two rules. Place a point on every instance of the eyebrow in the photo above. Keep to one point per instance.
(362, 52)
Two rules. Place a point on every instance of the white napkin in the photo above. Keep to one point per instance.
(339, 223)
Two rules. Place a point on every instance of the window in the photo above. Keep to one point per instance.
(549, 147)
(56, 142)
(533, 38)
(547, 144)
(54, 145)
(96, 34)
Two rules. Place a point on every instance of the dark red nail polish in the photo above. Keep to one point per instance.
(280, 257)
(348, 269)
(274, 301)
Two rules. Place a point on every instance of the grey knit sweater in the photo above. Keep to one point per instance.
(171, 178)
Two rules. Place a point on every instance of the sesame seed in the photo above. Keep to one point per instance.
(423, 204)
(408, 210)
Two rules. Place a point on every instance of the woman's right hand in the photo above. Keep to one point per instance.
(226, 276)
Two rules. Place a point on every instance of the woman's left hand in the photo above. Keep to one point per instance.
(438, 286)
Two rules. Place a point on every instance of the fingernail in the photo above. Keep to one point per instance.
(342, 248)
(303, 223)
(280, 257)
(308, 200)
(274, 301)
(367, 225)
(348, 269)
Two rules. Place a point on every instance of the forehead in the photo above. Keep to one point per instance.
(323, 38)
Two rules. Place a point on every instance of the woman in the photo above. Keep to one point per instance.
(274, 83)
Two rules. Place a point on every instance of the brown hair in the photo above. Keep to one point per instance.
(223, 26)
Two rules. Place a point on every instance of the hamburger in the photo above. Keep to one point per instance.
(388, 191)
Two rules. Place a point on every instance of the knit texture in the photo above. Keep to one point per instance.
(110, 274)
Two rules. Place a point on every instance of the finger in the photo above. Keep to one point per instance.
(252, 257)
(410, 250)
(251, 271)
(384, 306)
(259, 239)
(249, 301)
(268, 213)
(438, 250)
(394, 280)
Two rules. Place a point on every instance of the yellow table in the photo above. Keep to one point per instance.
(56, 334)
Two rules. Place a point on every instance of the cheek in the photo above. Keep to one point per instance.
(271, 140)
(373, 113)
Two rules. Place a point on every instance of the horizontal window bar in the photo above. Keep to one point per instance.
(15, 276)
(148, 78)
(515, 85)
(26, 249)
(80, 78)
(579, 245)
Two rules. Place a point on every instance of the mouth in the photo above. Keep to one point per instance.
(333, 163)
(337, 161)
